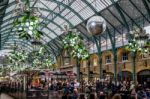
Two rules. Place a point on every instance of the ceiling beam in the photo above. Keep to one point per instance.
(139, 10)
(146, 6)
(116, 5)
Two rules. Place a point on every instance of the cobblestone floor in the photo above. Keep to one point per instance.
(5, 96)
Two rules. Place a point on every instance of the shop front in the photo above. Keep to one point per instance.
(70, 71)
(124, 76)
(143, 76)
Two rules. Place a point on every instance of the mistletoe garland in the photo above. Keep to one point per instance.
(132, 46)
(75, 43)
(17, 57)
(42, 60)
(47, 63)
(4, 70)
(19, 61)
(27, 26)
(136, 41)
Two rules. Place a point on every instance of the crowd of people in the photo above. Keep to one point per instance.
(11, 87)
(72, 89)
(101, 90)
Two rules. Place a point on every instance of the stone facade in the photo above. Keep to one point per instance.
(108, 68)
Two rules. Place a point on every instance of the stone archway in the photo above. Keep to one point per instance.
(143, 75)
(124, 76)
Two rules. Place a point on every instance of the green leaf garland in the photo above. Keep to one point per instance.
(74, 43)
(27, 27)
(134, 37)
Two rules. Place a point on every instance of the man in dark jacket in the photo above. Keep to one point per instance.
(97, 86)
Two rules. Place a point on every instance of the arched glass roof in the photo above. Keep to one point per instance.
(120, 16)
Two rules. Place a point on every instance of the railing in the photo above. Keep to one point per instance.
(18, 93)
(37, 94)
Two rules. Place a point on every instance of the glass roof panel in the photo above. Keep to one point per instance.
(115, 12)
(40, 19)
(40, 5)
(6, 28)
(10, 1)
(110, 18)
(50, 17)
(86, 12)
(51, 26)
(99, 4)
(18, 42)
(66, 11)
(46, 31)
(52, 35)
(129, 9)
(75, 20)
(78, 5)
(1, 7)
(70, 14)
(58, 20)
(60, 42)
(58, 31)
(49, 4)
(140, 5)
(44, 13)
(7, 17)
(6, 31)
(10, 8)
(5, 23)
(45, 39)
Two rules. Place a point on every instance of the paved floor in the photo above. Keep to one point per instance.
(5, 96)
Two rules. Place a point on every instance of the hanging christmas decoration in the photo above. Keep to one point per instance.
(138, 41)
(74, 43)
(27, 24)
(96, 25)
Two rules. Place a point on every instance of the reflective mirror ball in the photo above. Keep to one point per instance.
(96, 25)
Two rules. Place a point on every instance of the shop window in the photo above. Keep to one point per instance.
(108, 59)
(95, 61)
(66, 60)
(124, 56)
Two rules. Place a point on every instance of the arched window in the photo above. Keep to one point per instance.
(84, 64)
(95, 61)
(124, 56)
(108, 59)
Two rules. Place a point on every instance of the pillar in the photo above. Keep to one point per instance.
(78, 69)
(133, 54)
(88, 70)
(24, 82)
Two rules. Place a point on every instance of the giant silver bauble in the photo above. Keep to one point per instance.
(96, 25)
